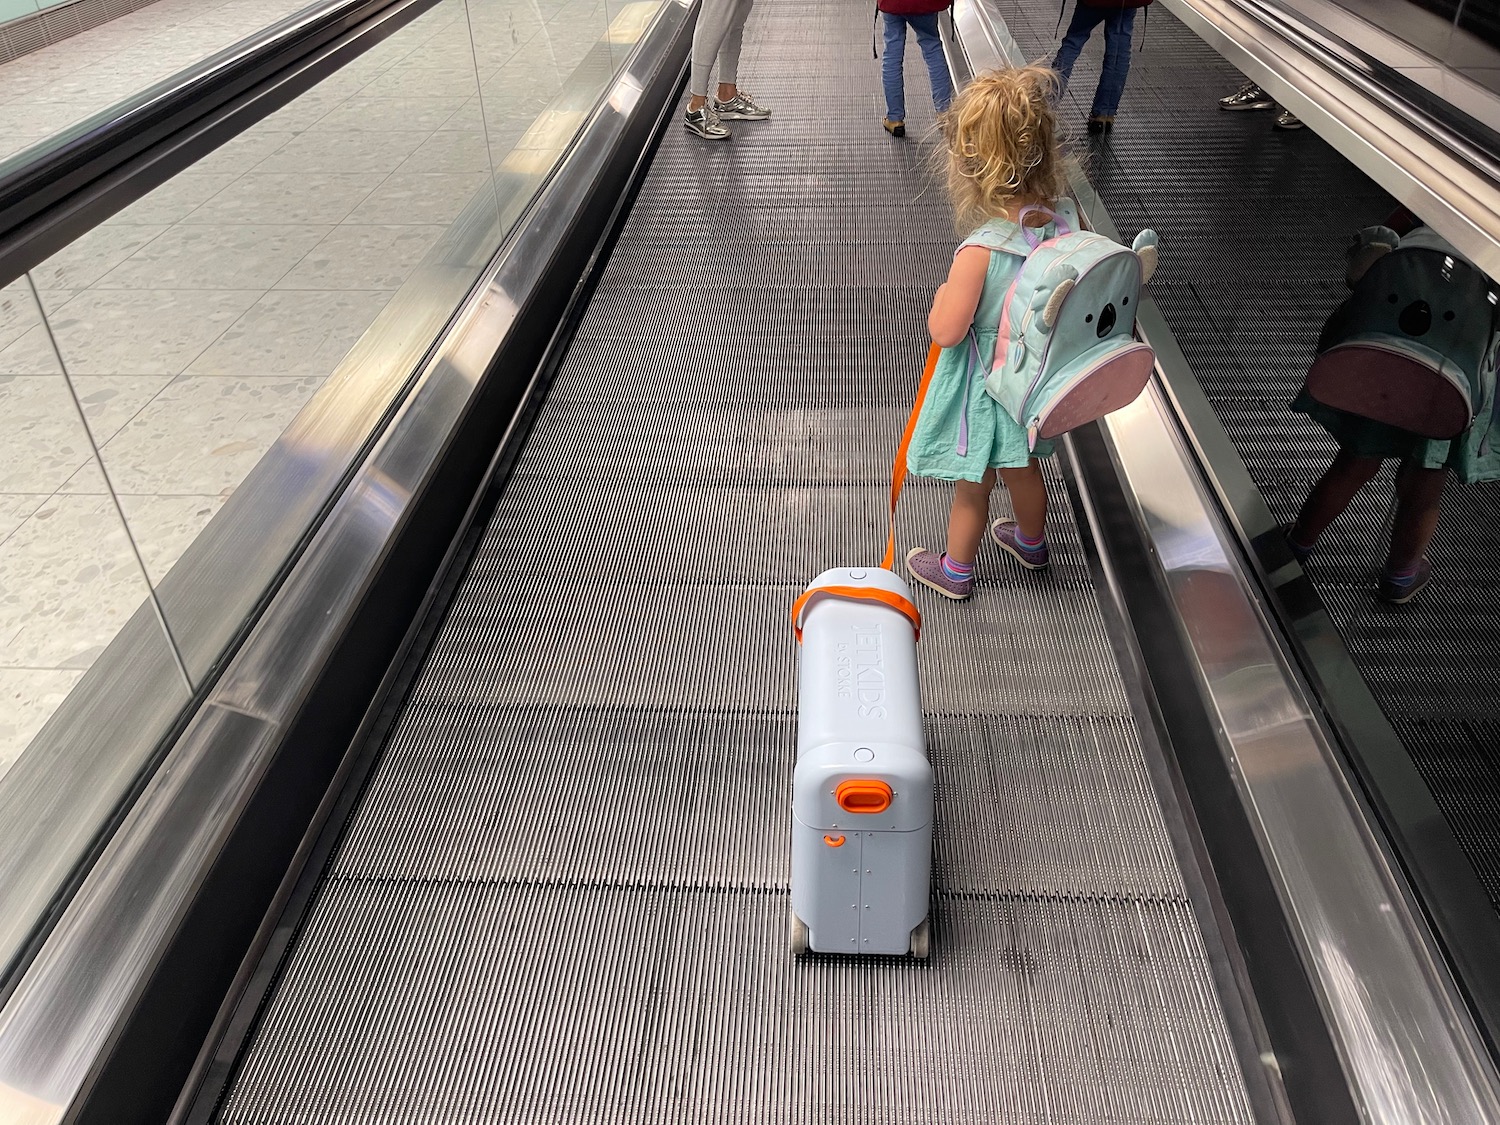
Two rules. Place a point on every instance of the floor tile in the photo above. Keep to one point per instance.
(202, 434)
(421, 197)
(110, 401)
(28, 697)
(174, 200)
(396, 114)
(164, 527)
(329, 150)
(292, 333)
(68, 581)
(216, 257)
(93, 255)
(285, 198)
(246, 151)
(16, 508)
(362, 257)
(452, 151)
(42, 443)
(140, 332)
(18, 313)
(456, 79)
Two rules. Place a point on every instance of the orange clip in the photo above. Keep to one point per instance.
(834, 841)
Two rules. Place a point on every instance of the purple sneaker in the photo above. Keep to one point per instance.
(1399, 591)
(1004, 533)
(927, 568)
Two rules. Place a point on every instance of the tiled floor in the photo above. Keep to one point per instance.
(198, 322)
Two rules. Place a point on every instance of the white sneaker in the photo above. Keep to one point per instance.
(705, 123)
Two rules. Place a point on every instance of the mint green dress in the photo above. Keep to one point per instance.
(941, 446)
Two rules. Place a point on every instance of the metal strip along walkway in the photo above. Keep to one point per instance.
(563, 896)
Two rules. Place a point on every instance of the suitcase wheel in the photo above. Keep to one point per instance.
(921, 940)
(798, 935)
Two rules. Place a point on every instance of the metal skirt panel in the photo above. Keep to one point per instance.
(563, 896)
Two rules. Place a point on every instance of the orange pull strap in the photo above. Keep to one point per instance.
(898, 470)
(858, 593)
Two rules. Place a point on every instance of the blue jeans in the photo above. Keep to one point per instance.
(1119, 24)
(926, 28)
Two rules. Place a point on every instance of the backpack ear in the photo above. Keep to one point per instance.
(1368, 247)
(1054, 302)
(1047, 298)
(1145, 249)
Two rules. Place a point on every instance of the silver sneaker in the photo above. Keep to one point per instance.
(705, 123)
(1286, 119)
(741, 107)
(1248, 96)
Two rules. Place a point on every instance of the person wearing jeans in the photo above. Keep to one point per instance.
(922, 17)
(1118, 18)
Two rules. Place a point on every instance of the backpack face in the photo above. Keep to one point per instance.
(1409, 347)
(1067, 354)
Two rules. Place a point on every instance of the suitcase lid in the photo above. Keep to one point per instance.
(863, 787)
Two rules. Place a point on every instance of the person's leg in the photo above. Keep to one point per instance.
(708, 37)
(1118, 28)
(952, 573)
(730, 102)
(1085, 19)
(890, 68)
(1330, 497)
(931, 43)
(729, 51)
(1419, 499)
(967, 517)
(1028, 496)
(1025, 538)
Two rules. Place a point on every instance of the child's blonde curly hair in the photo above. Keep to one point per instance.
(1002, 144)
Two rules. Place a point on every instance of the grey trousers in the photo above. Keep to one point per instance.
(719, 35)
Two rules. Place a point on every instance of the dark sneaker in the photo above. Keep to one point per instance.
(894, 128)
(1004, 533)
(705, 123)
(741, 107)
(1399, 591)
(1248, 96)
(1287, 120)
(1299, 552)
(1101, 124)
(927, 568)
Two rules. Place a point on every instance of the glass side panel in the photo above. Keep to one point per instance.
(232, 342)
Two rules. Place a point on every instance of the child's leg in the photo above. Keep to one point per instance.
(1118, 28)
(1419, 499)
(966, 519)
(931, 43)
(1082, 26)
(1028, 496)
(1331, 495)
(890, 67)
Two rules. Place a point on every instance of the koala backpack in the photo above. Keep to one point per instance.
(1410, 346)
(1066, 352)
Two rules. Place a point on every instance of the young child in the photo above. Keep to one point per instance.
(1002, 156)
(1118, 18)
(922, 17)
(1364, 445)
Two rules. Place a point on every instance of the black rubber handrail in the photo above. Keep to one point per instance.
(57, 190)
